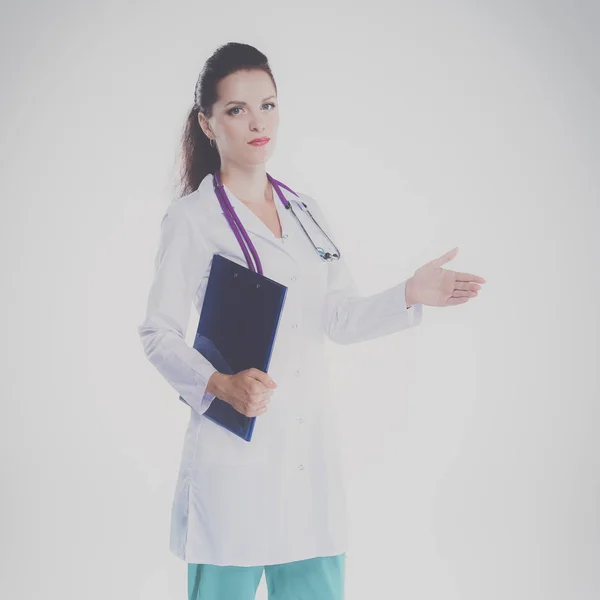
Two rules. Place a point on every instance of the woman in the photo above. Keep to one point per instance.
(277, 502)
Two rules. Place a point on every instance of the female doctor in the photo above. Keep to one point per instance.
(275, 503)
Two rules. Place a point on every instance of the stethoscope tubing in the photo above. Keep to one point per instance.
(242, 235)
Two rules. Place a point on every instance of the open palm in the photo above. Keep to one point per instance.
(435, 286)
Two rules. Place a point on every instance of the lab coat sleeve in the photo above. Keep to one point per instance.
(349, 317)
(181, 260)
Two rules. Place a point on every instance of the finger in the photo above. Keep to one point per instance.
(263, 377)
(452, 301)
(468, 277)
(463, 285)
(255, 410)
(260, 401)
(463, 294)
(255, 387)
(442, 260)
(263, 402)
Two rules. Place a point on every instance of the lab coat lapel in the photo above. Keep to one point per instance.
(250, 221)
(253, 223)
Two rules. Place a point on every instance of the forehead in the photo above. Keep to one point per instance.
(249, 86)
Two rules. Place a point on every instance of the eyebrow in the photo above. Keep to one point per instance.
(245, 103)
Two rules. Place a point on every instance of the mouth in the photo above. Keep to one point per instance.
(259, 141)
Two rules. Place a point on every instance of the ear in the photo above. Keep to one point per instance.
(203, 122)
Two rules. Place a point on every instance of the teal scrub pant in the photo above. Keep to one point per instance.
(319, 578)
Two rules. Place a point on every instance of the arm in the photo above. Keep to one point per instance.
(181, 261)
(349, 317)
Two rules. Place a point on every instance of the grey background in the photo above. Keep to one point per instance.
(470, 442)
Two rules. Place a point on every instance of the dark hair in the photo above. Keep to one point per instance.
(199, 158)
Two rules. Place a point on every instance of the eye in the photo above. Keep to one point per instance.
(230, 111)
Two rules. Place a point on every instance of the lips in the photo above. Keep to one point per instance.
(259, 141)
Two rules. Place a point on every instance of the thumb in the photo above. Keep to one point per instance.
(442, 260)
(263, 377)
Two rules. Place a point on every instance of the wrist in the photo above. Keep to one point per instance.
(408, 292)
(215, 383)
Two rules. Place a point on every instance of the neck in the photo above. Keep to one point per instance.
(249, 184)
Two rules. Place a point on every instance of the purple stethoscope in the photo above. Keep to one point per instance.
(237, 227)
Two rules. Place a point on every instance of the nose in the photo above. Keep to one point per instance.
(257, 126)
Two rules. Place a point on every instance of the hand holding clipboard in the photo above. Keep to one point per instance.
(248, 391)
(237, 330)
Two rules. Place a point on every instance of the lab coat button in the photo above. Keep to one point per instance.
(295, 325)
(294, 278)
(301, 467)
(300, 420)
(296, 373)
(285, 235)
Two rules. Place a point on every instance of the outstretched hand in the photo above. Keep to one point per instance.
(435, 286)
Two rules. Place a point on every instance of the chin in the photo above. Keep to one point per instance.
(258, 158)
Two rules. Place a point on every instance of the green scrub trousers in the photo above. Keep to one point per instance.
(320, 578)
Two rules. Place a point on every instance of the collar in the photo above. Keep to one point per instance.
(249, 220)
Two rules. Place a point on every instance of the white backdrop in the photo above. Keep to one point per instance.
(469, 442)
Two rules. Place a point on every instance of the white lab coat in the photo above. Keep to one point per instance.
(280, 497)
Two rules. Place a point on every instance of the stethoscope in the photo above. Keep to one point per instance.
(242, 235)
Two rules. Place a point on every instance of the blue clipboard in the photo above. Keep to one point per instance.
(237, 329)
